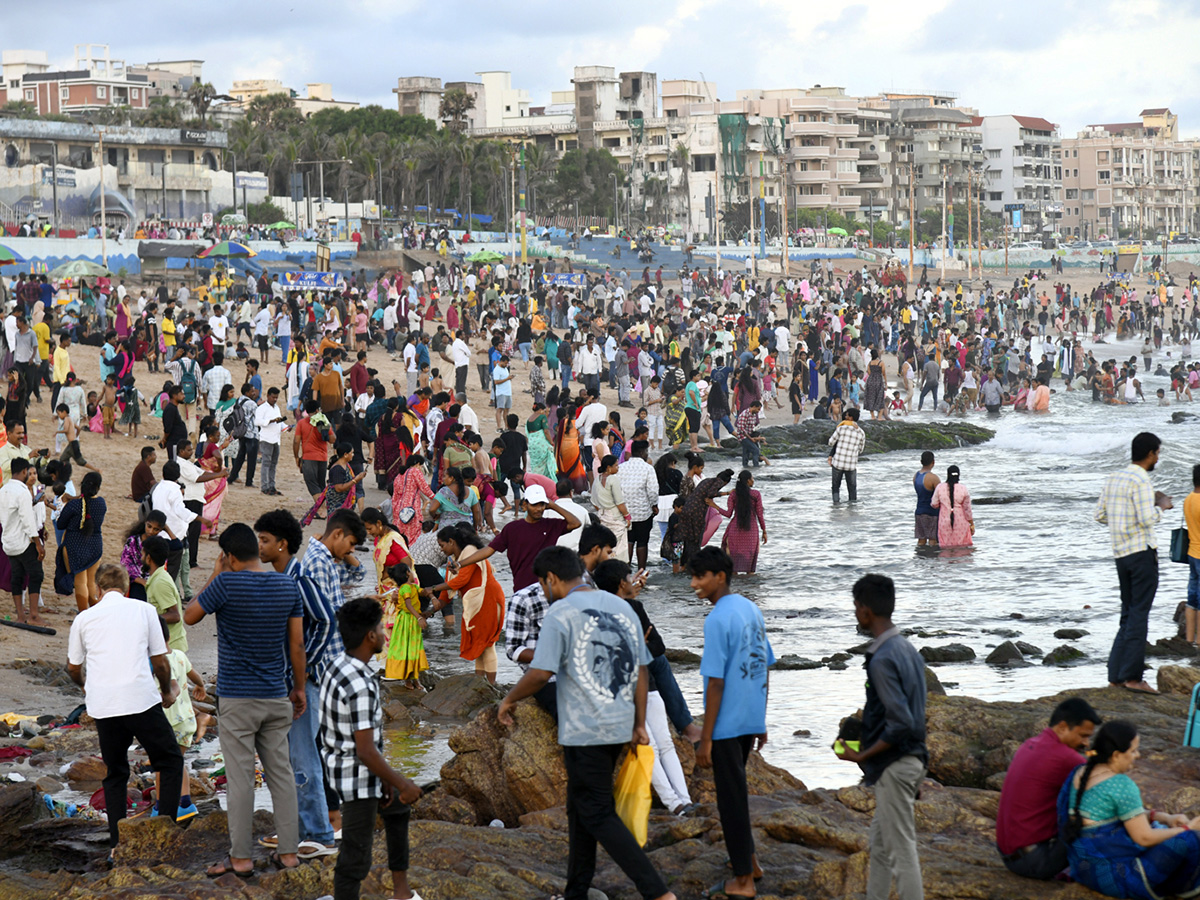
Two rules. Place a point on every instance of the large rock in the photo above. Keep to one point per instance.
(505, 773)
(970, 740)
(1006, 654)
(947, 654)
(87, 773)
(20, 804)
(461, 696)
(1063, 656)
(1178, 679)
(811, 437)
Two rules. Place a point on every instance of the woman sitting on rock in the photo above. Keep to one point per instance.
(1114, 844)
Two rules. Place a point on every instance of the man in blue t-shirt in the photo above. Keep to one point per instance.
(260, 619)
(592, 642)
(734, 668)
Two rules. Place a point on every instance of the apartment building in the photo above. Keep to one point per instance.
(1130, 178)
(419, 95)
(1022, 165)
(170, 78)
(94, 81)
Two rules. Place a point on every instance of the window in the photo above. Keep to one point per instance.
(704, 162)
(64, 93)
(1072, 194)
(1102, 175)
(1087, 195)
(133, 93)
(29, 95)
(1102, 156)
(101, 91)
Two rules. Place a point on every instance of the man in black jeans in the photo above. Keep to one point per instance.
(114, 639)
(592, 642)
(247, 445)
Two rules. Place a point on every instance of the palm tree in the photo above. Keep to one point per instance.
(540, 162)
(465, 155)
(682, 158)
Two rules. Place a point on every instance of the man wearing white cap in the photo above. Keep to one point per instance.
(525, 538)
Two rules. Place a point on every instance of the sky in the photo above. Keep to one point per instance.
(1069, 61)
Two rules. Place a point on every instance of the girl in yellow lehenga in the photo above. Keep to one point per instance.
(406, 650)
(390, 549)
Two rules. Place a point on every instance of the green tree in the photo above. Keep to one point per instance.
(453, 109)
(263, 213)
(160, 113)
(276, 112)
(371, 119)
(19, 109)
(586, 176)
(201, 96)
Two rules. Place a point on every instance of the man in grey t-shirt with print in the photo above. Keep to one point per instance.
(592, 642)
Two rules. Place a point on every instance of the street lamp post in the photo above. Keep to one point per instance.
(103, 213)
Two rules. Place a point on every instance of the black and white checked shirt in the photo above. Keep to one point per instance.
(523, 621)
(349, 703)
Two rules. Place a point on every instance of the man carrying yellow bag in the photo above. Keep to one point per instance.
(592, 641)
(632, 791)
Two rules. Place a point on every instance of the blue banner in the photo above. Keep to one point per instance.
(563, 279)
(301, 281)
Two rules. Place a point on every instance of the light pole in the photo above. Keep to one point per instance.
(103, 214)
(871, 217)
(320, 164)
(54, 183)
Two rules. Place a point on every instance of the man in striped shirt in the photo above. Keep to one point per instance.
(1131, 508)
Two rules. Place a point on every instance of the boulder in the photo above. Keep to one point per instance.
(441, 806)
(87, 771)
(933, 684)
(20, 804)
(1175, 647)
(1028, 649)
(682, 657)
(1070, 634)
(948, 654)
(1063, 656)
(461, 696)
(791, 661)
(48, 785)
(1178, 679)
(1005, 654)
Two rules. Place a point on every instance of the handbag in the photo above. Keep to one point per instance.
(1179, 545)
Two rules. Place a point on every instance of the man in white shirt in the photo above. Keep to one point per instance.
(262, 331)
(124, 696)
(20, 542)
(461, 352)
(270, 421)
(466, 415)
(587, 365)
(182, 297)
(410, 364)
(219, 324)
(389, 328)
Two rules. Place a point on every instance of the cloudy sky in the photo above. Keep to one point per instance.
(1069, 61)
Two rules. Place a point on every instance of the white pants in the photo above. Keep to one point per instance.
(667, 779)
(657, 426)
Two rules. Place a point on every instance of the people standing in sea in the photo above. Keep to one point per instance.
(956, 521)
(1130, 507)
(742, 536)
(845, 445)
(924, 483)
(892, 753)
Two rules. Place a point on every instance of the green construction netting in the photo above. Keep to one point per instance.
(638, 128)
(773, 135)
(733, 144)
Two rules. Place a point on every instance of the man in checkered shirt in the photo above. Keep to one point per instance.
(351, 742)
(847, 442)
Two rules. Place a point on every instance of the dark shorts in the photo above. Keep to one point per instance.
(26, 570)
(926, 528)
(314, 471)
(693, 417)
(262, 341)
(639, 532)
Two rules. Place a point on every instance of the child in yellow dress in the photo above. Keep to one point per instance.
(406, 650)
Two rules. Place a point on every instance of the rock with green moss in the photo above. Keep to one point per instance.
(811, 438)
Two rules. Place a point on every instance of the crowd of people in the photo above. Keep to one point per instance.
(718, 350)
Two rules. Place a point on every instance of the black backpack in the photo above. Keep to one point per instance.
(237, 422)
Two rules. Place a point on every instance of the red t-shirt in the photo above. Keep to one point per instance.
(524, 540)
(311, 445)
(550, 487)
(1028, 801)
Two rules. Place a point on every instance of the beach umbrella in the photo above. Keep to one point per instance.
(485, 256)
(79, 268)
(8, 256)
(281, 225)
(841, 231)
(229, 249)
(233, 219)
(861, 232)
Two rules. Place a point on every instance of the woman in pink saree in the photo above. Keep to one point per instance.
(214, 491)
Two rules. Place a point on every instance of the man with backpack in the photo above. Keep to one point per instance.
(242, 419)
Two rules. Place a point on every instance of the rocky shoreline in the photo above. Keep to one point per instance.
(813, 842)
(811, 438)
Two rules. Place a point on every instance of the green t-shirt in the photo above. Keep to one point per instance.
(163, 596)
(692, 396)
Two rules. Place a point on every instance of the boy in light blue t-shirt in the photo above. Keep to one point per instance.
(734, 668)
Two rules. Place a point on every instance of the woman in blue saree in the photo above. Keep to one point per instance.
(1114, 844)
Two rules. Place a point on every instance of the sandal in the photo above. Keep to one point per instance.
(718, 892)
(275, 860)
(226, 866)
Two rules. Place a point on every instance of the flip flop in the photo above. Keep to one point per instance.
(275, 860)
(272, 841)
(226, 867)
(718, 892)
(314, 849)
(1141, 690)
(729, 865)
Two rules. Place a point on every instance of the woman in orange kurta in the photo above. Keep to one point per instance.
(482, 599)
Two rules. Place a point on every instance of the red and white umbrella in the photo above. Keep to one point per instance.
(861, 232)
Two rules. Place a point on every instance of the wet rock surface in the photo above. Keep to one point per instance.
(811, 438)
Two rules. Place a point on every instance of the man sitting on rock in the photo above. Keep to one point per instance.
(1027, 820)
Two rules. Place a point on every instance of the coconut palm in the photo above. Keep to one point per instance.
(682, 158)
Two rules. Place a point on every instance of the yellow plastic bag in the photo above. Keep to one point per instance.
(632, 792)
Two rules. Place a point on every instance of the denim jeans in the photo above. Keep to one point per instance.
(306, 764)
(851, 476)
(668, 689)
(751, 454)
(928, 390)
(566, 376)
(717, 423)
(1193, 588)
(1137, 575)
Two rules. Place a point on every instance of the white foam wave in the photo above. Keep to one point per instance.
(1060, 442)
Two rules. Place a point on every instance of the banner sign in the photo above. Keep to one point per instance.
(302, 281)
(66, 177)
(563, 279)
(251, 182)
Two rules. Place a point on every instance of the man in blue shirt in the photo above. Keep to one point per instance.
(592, 642)
(892, 752)
(734, 668)
(259, 631)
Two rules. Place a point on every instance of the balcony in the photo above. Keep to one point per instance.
(810, 129)
(865, 178)
(811, 176)
(864, 155)
(820, 151)
(846, 177)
